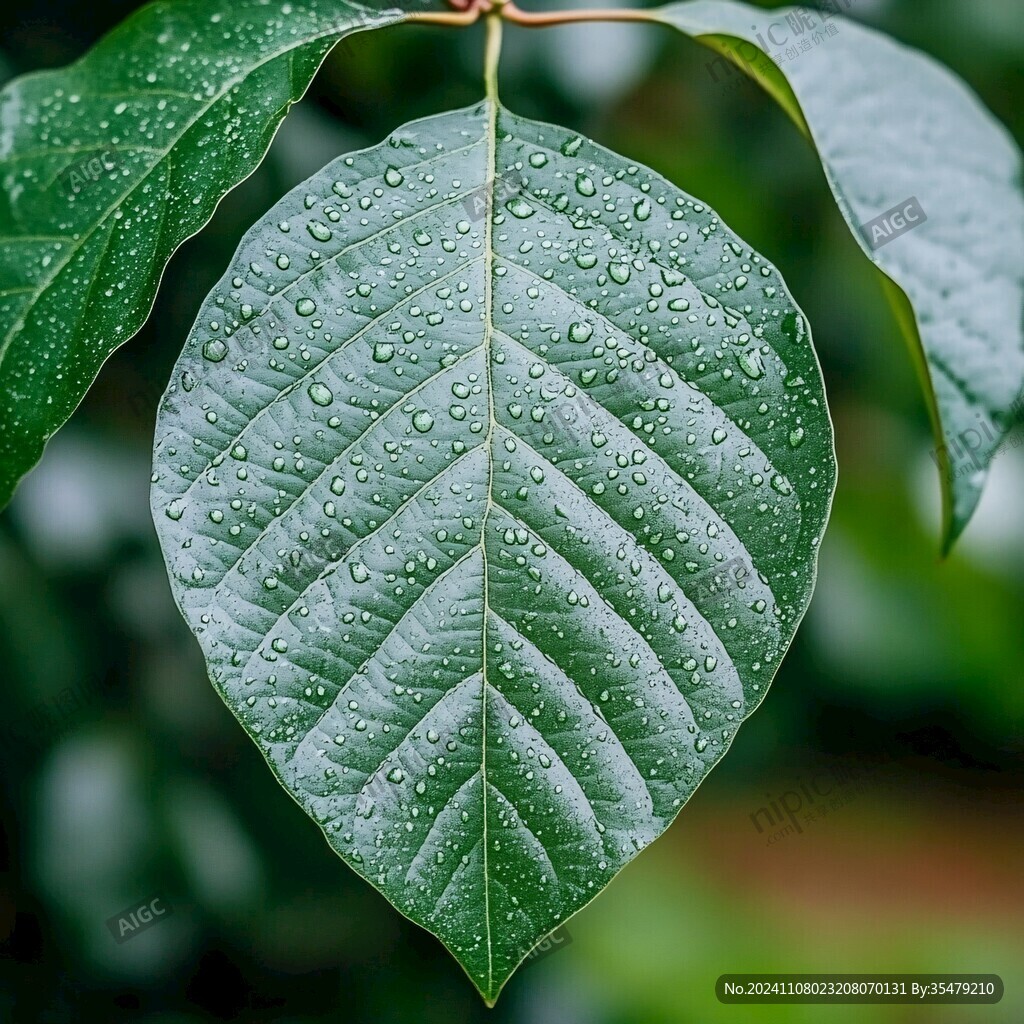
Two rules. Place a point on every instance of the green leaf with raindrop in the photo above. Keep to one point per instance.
(107, 166)
(491, 481)
(906, 145)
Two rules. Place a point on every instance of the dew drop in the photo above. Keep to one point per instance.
(750, 363)
(519, 208)
(215, 350)
(321, 393)
(422, 420)
(585, 185)
(580, 332)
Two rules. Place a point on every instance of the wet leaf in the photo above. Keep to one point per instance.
(107, 166)
(890, 125)
(491, 481)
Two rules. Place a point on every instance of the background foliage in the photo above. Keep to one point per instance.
(123, 775)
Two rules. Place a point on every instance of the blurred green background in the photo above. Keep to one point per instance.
(124, 777)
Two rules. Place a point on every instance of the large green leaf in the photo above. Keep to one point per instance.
(107, 166)
(491, 481)
(890, 124)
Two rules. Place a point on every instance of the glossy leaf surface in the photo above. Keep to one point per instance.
(891, 125)
(491, 481)
(107, 166)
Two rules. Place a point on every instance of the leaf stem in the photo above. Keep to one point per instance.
(537, 19)
(456, 19)
(506, 10)
(492, 54)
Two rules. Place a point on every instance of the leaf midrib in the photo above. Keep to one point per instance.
(450, 904)
(490, 171)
